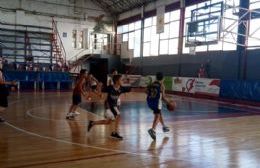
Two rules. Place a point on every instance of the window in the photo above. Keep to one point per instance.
(137, 43)
(105, 39)
(80, 44)
(254, 30)
(174, 29)
(147, 34)
(158, 44)
(154, 44)
(170, 37)
(164, 47)
(167, 17)
(74, 38)
(131, 40)
(125, 37)
(131, 26)
(172, 46)
(146, 49)
(137, 25)
(148, 22)
(125, 28)
(165, 34)
(119, 29)
(99, 40)
(151, 38)
(131, 33)
(175, 15)
(154, 21)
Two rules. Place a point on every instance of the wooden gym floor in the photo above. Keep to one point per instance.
(204, 134)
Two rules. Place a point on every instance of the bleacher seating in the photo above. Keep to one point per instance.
(29, 80)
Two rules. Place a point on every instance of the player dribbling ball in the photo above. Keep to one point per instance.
(171, 105)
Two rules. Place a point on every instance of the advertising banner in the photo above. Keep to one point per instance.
(196, 85)
(182, 84)
(160, 19)
(209, 87)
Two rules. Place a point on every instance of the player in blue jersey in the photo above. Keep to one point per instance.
(112, 112)
(155, 98)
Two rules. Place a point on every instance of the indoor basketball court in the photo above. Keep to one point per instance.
(124, 83)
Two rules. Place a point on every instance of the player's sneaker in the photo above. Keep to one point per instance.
(70, 116)
(2, 120)
(90, 125)
(76, 113)
(152, 133)
(116, 136)
(165, 129)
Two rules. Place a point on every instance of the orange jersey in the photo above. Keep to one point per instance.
(78, 86)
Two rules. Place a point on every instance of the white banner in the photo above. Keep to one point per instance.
(186, 85)
(137, 80)
(131, 80)
(160, 19)
(207, 86)
(203, 86)
(196, 85)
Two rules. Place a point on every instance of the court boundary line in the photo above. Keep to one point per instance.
(89, 146)
(100, 148)
(28, 112)
(170, 158)
(176, 122)
(68, 160)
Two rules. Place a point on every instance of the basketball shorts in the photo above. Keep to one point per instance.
(111, 113)
(94, 87)
(76, 99)
(157, 111)
(3, 101)
(4, 92)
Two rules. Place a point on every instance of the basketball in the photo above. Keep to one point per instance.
(13, 88)
(171, 105)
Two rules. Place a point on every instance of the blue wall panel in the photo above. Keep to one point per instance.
(240, 90)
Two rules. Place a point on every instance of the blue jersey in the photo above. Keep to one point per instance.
(154, 95)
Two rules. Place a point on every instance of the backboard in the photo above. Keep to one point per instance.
(204, 27)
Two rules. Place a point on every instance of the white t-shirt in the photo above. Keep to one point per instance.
(160, 102)
(1, 77)
(109, 81)
(1, 63)
(93, 83)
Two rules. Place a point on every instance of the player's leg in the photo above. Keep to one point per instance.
(117, 121)
(165, 128)
(156, 119)
(99, 90)
(72, 108)
(99, 122)
(115, 132)
(1, 118)
(76, 100)
(3, 105)
(109, 117)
